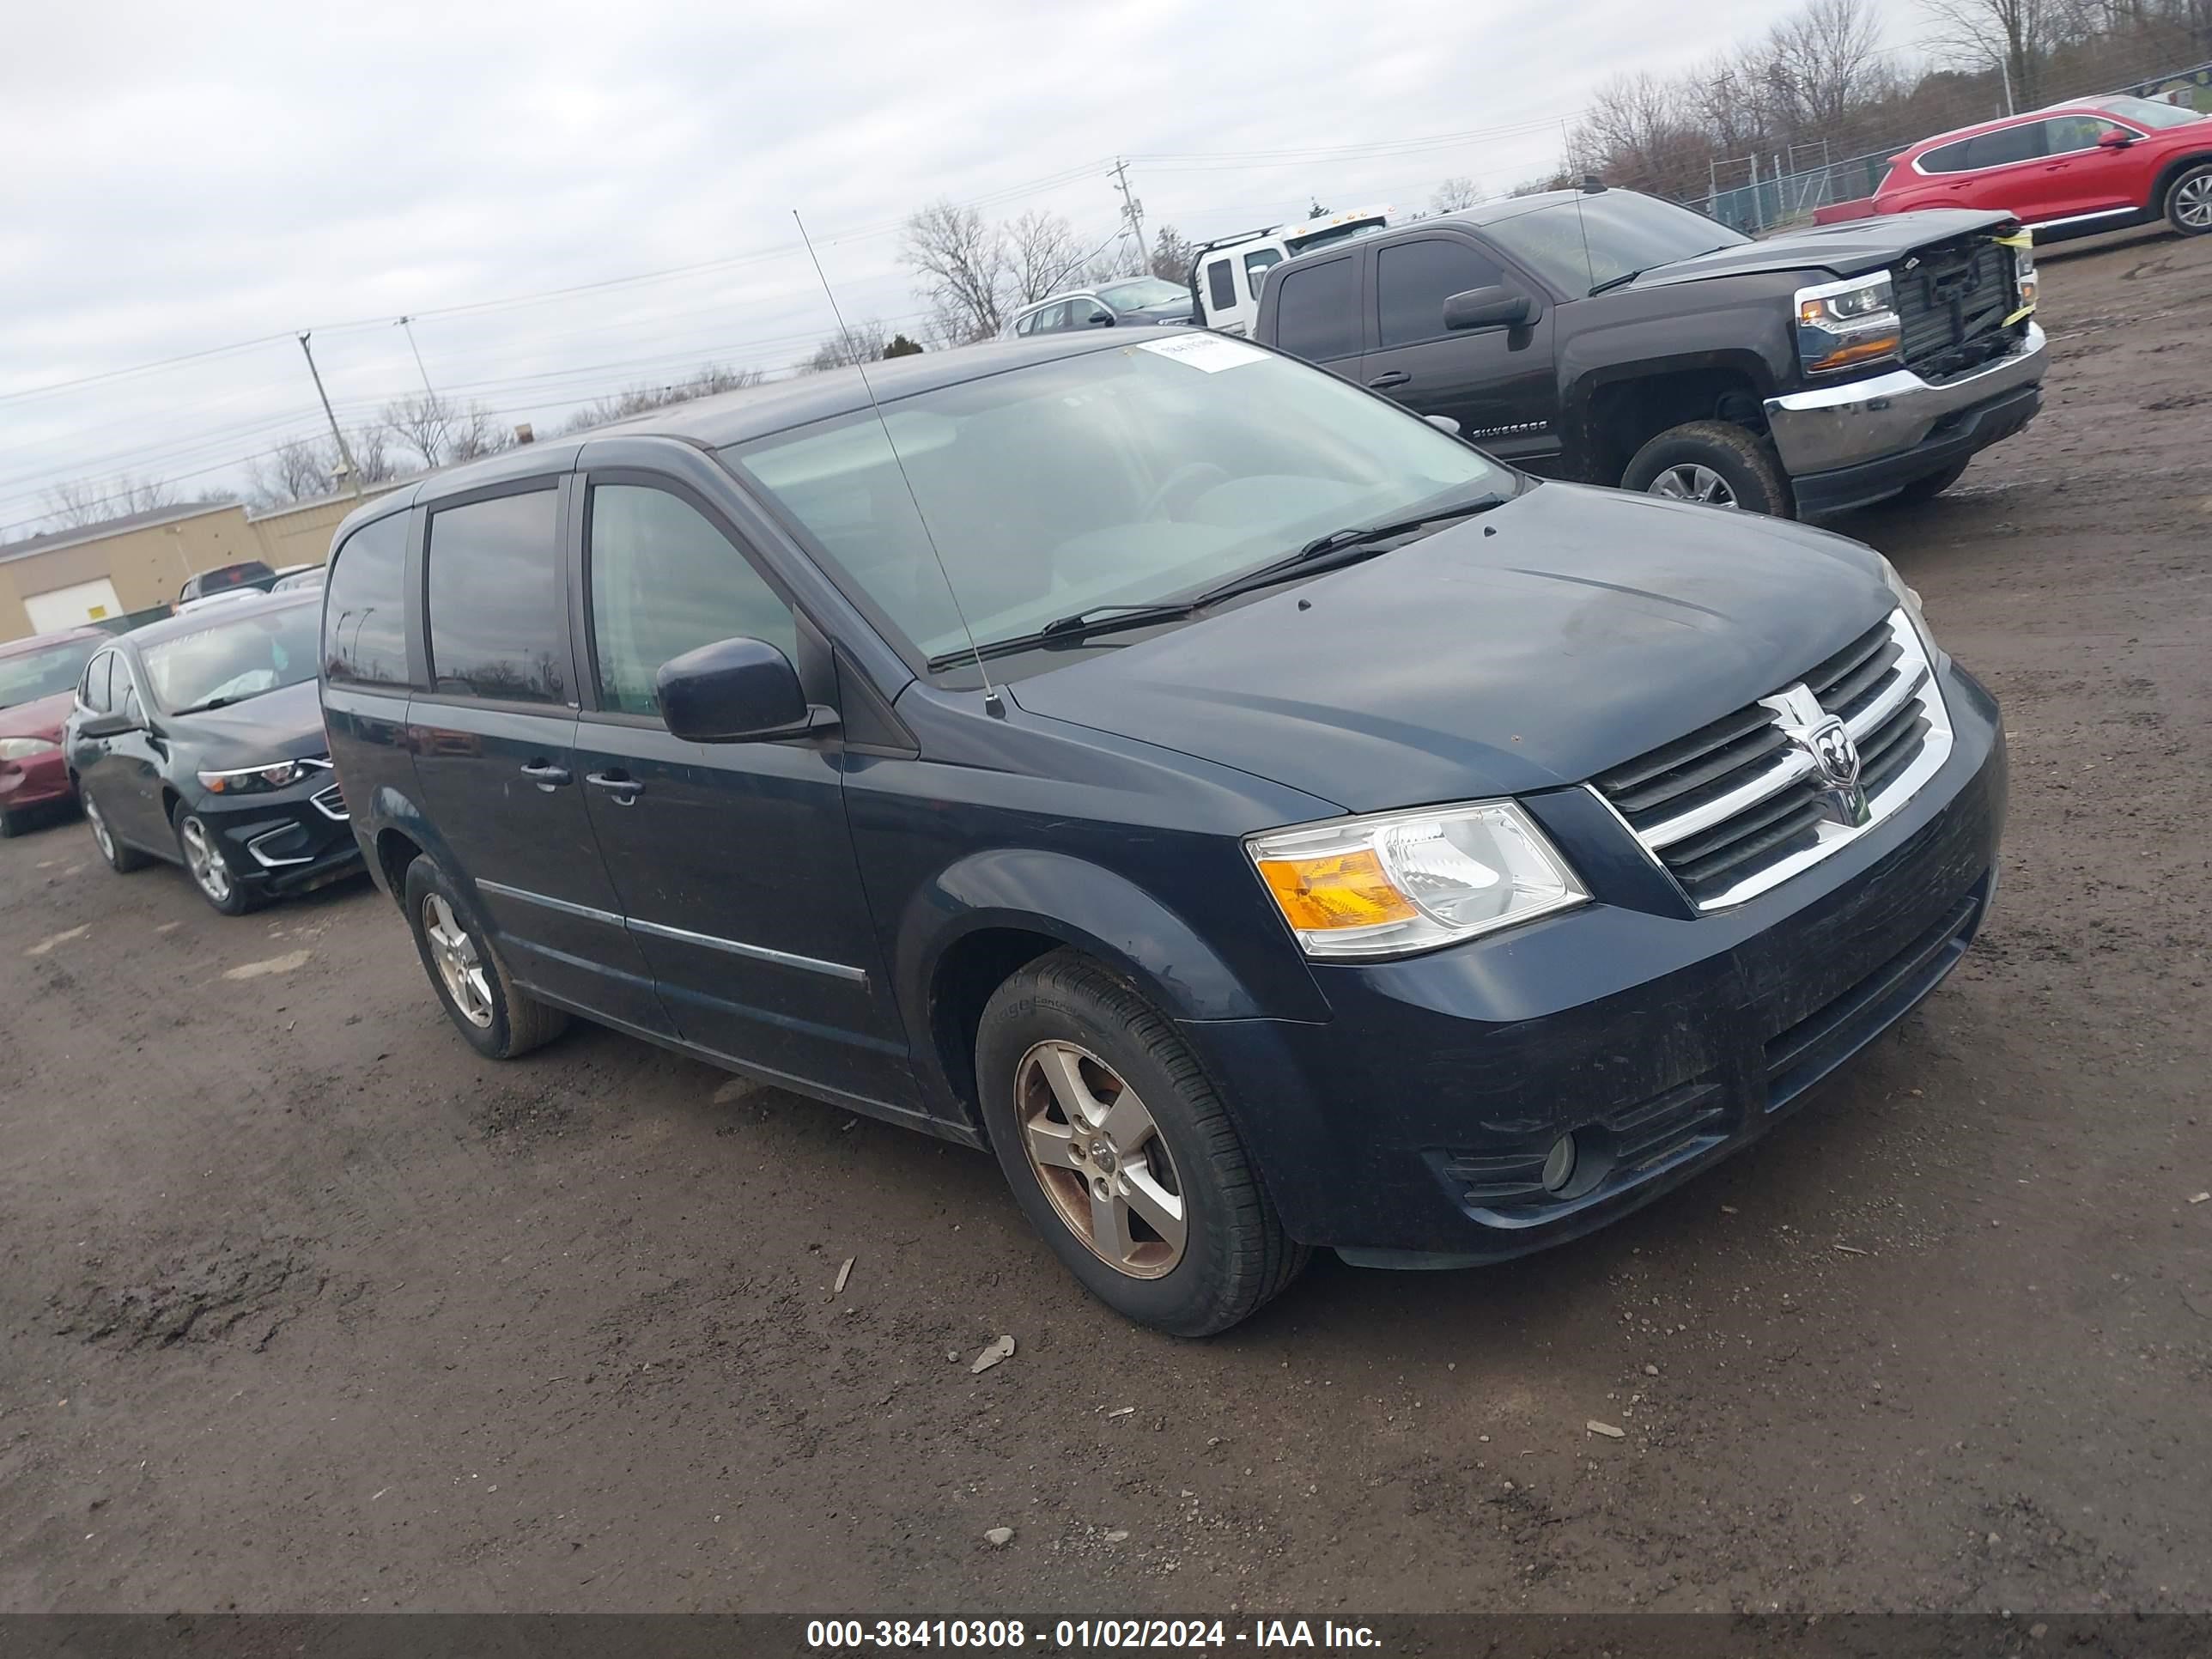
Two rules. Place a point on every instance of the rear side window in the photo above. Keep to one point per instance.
(1317, 312)
(1221, 284)
(665, 581)
(2009, 144)
(1413, 279)
(497, 601)
(1946, 158)
(365, 615)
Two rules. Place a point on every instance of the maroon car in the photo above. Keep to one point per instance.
(38, 686)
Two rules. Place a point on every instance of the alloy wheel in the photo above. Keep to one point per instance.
(460, 967)
(1692, 483)
(205, 862)
(102, 837)
(2193, 202)
(1100, 1158)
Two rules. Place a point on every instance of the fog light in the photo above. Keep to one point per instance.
(1560, 1164)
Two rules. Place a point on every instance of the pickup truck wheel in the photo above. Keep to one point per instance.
(2189, 202)
(1929, 485)
(1121, 1153)
(1715, 462)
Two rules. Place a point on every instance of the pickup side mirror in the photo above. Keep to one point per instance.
(1443, 423)
(1489, 308)
(2115, 138)
(106, 725)
(739, 690)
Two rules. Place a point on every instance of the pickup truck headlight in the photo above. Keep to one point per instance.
(1844, 324)
(255, 779)
(23, 749)
(2023, 270)
(1389, 883)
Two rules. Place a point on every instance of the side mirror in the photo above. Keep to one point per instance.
(740, 690)
(106, 725)
(2115, 138)
(1443, 423)
(1489, 308)
(1100, 319)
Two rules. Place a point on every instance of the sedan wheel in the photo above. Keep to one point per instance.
(1693, 483)
(460, 969)
(1098, 1155)
(204, 861)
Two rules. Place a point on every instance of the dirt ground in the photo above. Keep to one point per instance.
(304, 1307)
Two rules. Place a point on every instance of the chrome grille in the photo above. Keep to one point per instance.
(1740, 805)
(1952, 302)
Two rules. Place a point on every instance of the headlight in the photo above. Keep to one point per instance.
(253, 779)
(1394, 883)
(2023, 269)
(1907, 597)
(26, 748)
(1840, 324)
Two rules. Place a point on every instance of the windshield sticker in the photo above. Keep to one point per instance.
(1210, 352)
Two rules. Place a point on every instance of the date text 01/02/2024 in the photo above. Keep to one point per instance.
(1080, 1635)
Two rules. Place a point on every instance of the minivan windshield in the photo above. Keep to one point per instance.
(1581, 241)
(28, 676)
(1143, 294)
(1136, 475)
(238, 655)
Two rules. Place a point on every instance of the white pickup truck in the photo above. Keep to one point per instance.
(1226, 272)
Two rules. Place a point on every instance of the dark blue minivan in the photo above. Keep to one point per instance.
(1263, 820)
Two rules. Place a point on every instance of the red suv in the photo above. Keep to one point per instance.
(2099, 164)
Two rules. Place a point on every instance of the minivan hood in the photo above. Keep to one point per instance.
(1567, 631)
(1850, 249)
(281, 725)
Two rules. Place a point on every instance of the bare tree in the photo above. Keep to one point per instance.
(439, 431)
(1173, 255)
(2013, 37)
(1825, 64)
(1042, 253)
(1455, 194)
(858, 343)
(73, 506)
(304, 468)
(705, 382)
(963, 261)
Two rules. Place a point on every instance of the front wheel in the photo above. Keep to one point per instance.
(210, 872)
(500, 1021)
(1714, 463)
(2189, 202)
(1121, 1154)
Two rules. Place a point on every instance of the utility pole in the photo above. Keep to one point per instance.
(345, 454)
(1133, 213)
(407, 323)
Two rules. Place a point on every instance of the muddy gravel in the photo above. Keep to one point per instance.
(303, 1306)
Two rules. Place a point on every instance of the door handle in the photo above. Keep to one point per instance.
(623, 788)
(1390, 378)
(546, 775)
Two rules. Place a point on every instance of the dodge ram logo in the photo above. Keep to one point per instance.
(1834, 753)
(1826, 742)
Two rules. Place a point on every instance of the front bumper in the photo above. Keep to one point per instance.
(289, 841)
(1411, 1127)
(1846, 445)
(38, 781)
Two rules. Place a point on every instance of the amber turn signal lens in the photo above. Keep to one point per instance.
(1334, 891)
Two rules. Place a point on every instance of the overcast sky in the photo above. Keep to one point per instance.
(180, 179)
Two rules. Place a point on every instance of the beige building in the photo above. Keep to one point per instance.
(70, 577)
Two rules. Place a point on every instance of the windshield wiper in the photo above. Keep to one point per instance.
(1361, 539)
(1628, 277)
(216, 702)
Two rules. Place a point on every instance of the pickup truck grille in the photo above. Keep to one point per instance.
(1739, 805)
(1951, 301)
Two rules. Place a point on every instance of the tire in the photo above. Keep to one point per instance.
(1929, 485)
(2189, 201)
(120, 859)
(1705, 460)
(11, 825)
(213, 879)
(1063, 1026)
(498, 1021)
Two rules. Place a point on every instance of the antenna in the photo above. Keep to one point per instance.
(993, 705)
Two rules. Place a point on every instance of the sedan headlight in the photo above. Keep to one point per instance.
(1393, 882)
(22, 749)
(255, 779)
(1842, 324)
